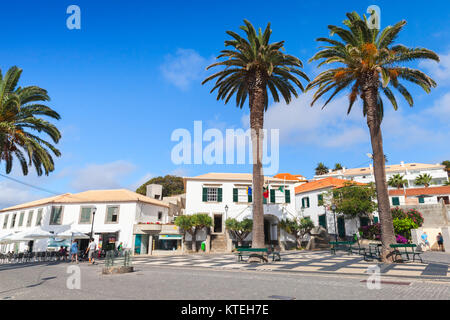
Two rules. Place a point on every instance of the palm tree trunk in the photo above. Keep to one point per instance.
(257, 95)
(370, 94)
(194, 240)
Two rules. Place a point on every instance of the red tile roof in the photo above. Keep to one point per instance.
(288, 176)
(324, 183)
(420, 191)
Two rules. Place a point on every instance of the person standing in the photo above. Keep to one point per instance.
(91, 250)
(425, 240)
(74, 251)
(440, 241)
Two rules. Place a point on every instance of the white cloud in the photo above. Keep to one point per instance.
(185, 67)
(299, 123)
(102, 176)
(13, 193)
(141, 181)
(440, 72)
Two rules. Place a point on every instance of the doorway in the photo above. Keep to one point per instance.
(218, 223)
(341, 227)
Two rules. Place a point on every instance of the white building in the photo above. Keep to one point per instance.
(311, 201)
(117, 216)
(410, 171)
(419, 196)
(225, 195)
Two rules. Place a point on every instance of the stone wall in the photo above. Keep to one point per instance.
(434, 215)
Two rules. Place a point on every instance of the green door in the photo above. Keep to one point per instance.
(341, 227)
(323, 221)
(137, 244)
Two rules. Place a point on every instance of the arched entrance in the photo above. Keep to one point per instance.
(271, 230)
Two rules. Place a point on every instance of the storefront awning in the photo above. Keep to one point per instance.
(107, 229)
(170, 237)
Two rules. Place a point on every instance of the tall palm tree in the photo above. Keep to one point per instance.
(20, 127)
(337, 166)
(370, 65)
(321, 169)
(256, 68)
(424, 180)
(397, 181)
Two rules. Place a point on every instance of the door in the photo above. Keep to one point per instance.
(137, 244)
(341, 227)
(266, 231)
(323, 221)
(217, 223)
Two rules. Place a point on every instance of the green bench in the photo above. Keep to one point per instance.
(341, 245)
(406, 252)
(374, 251)
(252, 252)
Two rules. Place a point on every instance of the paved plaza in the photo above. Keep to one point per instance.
(434, 266)
(300, 275)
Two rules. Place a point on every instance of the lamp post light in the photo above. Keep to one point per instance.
(226, 212)
(92, 226)
(333, 207)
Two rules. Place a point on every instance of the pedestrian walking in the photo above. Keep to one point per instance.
(91, 250)
(440, 241)
(425, 240)
(74, 251)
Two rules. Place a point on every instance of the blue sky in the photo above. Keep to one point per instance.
(132, 74)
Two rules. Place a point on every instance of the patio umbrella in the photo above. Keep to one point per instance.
(72, 234)
(28, 235)
(4, 238)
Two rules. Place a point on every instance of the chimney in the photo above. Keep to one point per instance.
(402, 163)
(154, 191)
(343, 169)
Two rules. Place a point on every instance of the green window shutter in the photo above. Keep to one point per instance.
(235, 195)
(320, 199)
(375, 219)
(219, 194)
(272, 195)
(307, 202)
(395, 201)
(303, 202)
(250, 198)
(287, 196)
(421, 200)
(205, 194)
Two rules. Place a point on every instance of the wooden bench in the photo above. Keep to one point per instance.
(407, 252)
(341, 245)
(252, 252)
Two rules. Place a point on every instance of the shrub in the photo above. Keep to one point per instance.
(401, 239)
(371, 232)
(404, 226)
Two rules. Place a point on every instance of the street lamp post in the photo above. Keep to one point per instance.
(92, 226)
(333, 207)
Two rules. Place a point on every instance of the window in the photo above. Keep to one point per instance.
(39, 217)
(22, 215)
(395, 201)
(85, 215)
(56, 215)
(5, 222)
(30, 217)
(159, 215)
(13, 221)
(421, 200)
(112, 214)
(320, 199)
(241, 195)
(212, 195)
(305, 202)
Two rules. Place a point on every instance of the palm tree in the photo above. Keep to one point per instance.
(21, 128)
(446, 163)
(337, 167)
(423, 180)
(397, 181)
(254, 68)
(321, 169)
(370, 65)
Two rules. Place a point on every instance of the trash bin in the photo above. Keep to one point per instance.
(203, 246)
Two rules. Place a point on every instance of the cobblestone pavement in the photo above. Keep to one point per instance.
(433, 266)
